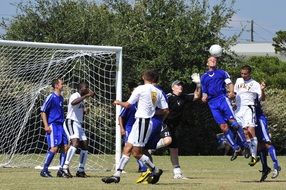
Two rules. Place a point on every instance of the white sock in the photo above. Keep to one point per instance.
(250, 146)
(254, 143)
(122, 163)
(160, 144)
(82, 160)
(70, 154)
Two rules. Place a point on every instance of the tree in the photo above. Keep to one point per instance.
(279, 42)
(171, 36)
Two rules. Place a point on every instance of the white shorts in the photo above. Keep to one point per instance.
(140, 132)
(245, 116)
(74, 130)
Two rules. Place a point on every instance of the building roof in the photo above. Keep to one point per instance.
(255, 49)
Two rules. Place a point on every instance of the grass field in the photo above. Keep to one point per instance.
(203, 172)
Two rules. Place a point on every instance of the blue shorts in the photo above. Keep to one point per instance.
(57, 136)
(262, 131)
(221, 109)
(155, 134)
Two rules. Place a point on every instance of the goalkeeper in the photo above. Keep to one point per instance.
(177, 101)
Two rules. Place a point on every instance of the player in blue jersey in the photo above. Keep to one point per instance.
(265, 143)
(52, 114)
(214, 92)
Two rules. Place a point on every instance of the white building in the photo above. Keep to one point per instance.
(256, 49)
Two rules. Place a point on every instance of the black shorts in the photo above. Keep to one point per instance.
(173, 133)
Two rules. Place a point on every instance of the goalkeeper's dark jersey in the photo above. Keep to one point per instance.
(176, 106)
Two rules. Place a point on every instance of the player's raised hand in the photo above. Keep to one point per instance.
(196, 78)
(91, 93)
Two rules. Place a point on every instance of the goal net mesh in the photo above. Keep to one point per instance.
(25, 81)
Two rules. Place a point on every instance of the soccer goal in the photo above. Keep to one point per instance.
(26, 72)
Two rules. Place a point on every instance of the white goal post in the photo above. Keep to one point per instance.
(26, 72)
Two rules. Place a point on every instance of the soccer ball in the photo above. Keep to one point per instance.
(215, 50)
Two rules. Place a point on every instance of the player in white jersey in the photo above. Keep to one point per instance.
(74, 129)
(148, 97)
(247, 91)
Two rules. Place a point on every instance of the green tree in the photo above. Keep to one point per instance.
(171, 36)
(279, 42)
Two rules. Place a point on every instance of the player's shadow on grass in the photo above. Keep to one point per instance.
(266, 181)
(176, 183)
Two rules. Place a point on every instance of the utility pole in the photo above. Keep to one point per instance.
(251, 31)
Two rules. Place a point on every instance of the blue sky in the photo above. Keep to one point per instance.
(268, 15)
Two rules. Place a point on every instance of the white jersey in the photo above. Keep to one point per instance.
(75, 112)
(247, 92)
(148, 98)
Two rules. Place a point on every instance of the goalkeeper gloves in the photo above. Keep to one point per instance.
(196, 79)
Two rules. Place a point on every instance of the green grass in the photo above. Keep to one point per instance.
(204, 172)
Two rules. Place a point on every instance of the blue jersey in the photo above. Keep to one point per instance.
(128, 116)
(53, 107)
(213, 83)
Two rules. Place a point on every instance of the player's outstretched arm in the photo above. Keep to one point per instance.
(80, 99)
(123, 104)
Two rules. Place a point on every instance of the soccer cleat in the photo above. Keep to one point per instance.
(81, 174)
(246, 152)
(235, 154)
(155, 177)
(61, 173)
(144, 176)
(67, 172)
(111, 179)
(45, 174)
(265, 174)
(253, 161)
(275, 172)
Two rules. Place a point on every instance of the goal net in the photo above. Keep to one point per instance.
(26, 72)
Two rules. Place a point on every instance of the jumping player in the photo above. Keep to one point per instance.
(247, 90)
(214, 93)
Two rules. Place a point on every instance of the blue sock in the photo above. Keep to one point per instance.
(229, 136)
(241, 136)
(62, 159)
(142, 166)
(272, 153)
(263, 159)
(49, 157)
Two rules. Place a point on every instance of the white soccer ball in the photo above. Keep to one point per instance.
(215, 50)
